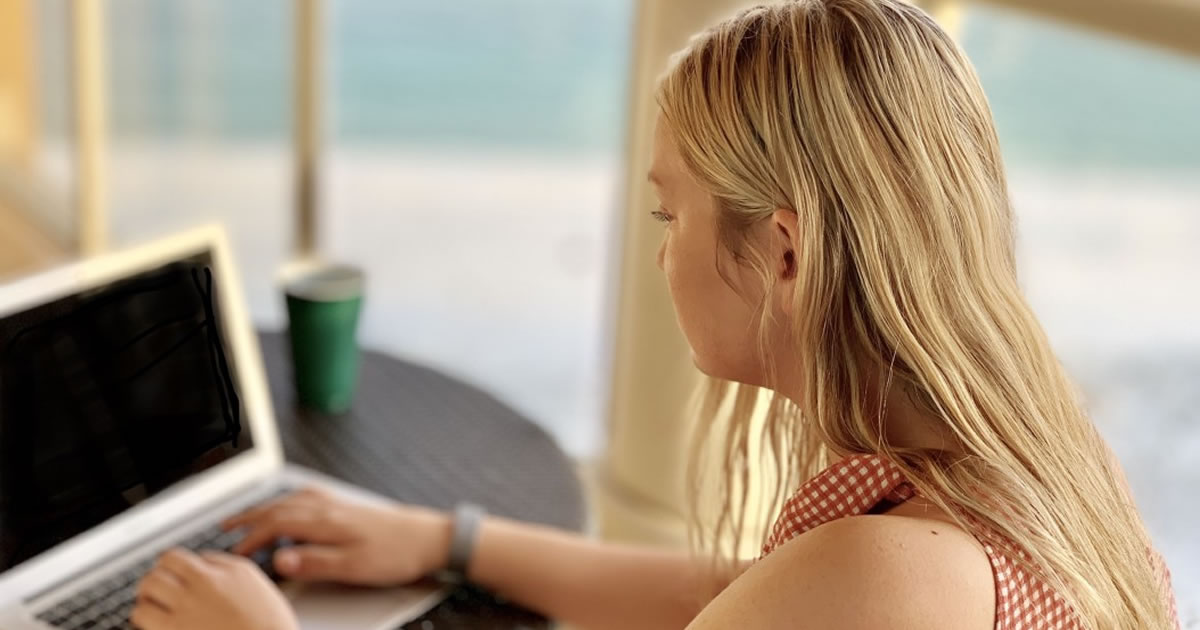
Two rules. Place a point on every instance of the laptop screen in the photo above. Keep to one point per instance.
(107, 397)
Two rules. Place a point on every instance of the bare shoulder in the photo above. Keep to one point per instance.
(873, 571)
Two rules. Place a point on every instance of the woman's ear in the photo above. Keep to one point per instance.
(784, 236)
(786, 229)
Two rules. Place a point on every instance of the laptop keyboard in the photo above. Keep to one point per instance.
(106, 604)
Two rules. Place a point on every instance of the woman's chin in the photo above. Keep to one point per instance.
(698, 363)
(708, 368)
(727, 372)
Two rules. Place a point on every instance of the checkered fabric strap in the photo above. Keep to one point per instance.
(849, 487)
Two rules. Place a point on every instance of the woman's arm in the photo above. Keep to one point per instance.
(590, 584)
(562, 575)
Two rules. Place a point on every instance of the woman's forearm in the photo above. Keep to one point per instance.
(589, 584)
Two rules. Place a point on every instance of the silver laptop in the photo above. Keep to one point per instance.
(134, 415)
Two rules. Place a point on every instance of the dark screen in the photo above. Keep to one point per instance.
(108, 397)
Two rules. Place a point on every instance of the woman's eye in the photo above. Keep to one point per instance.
(660, 216)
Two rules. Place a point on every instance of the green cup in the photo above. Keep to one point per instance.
(323, 307)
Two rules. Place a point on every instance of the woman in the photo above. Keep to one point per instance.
(838, 232)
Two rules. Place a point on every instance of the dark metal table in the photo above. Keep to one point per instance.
(421, 437)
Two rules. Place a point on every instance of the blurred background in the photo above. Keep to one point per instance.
(483, 161)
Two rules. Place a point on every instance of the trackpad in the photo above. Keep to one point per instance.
(337, 607)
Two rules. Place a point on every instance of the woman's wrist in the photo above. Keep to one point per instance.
(440, 528)
(468, 519)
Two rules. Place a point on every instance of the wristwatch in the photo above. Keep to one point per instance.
(467, 519)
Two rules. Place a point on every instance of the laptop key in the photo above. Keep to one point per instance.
(106, 604)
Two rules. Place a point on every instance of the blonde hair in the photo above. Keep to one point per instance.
(868, 121)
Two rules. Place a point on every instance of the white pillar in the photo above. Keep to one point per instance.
(91, 145)
(641, 480)
(309, 85)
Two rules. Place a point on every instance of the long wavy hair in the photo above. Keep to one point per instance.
(866, 119)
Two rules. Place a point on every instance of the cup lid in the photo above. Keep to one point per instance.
(326, 283)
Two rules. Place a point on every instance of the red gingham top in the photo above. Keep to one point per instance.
(860, 484)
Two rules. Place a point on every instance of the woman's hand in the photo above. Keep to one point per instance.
(185, 591)
(343, 541)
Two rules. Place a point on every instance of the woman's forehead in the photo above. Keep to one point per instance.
(666, 163)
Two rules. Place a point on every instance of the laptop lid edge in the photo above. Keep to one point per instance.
(184, 498)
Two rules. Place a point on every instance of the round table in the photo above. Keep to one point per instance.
(419, 436)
